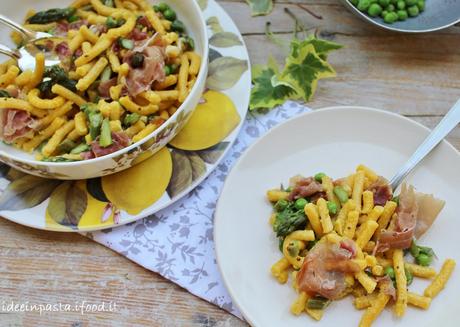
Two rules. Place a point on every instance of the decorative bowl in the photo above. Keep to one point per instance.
(190, 13)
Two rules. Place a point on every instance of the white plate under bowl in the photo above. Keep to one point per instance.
(333, 141)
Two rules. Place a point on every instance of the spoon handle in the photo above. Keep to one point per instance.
(8, 52)
(447, 124)
(19, 28)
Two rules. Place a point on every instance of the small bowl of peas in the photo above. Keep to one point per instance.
(408, 16)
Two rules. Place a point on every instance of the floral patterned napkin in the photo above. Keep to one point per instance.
(177, 242)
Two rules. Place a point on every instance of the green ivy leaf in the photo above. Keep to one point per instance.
(322, 47)
(268, 91)
(304, 70)
(260, 7)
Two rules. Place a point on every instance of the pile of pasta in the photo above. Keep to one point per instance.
(71, 116)
(353, 217)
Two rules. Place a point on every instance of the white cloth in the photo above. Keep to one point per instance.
(177, 242)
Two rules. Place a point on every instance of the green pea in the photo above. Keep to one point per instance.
(384, 3)
(363, 5)
(170, 14)
(178, 26)
(414, 249)
(391, 8)
(394, 2)
(413, 11)
(354, 2)
(390, 272)
(281, 205)
(167, 70)
(384, 13)
(401, 5)
(332, 207)
(300, 203)
(423, 259)
(163, 7)
(411, 2)
(409, 276)
(341, 194)
(319, 177)
(156, 8)
(374, 10)
(402, 15)
(293, 248)
(421, 5)
(390, 18)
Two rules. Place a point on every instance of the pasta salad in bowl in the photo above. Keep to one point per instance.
(353, 236)
(130, 75)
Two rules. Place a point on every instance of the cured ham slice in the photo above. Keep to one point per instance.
(304, 187)
(324, 268)
(15, 124)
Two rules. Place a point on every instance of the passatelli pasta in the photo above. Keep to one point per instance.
(353, 236)
(126, 67)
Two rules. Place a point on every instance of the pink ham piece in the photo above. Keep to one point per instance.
(416, 213)
(303, 187)
(15, 124)
(382, 191)
(104, 88)
(120, 141)
(401, 231)
(386, 285)
(141, 79)
(324, 269)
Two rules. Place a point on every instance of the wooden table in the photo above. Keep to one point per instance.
(415, 75)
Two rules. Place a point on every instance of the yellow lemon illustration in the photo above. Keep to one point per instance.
(94, 213)
(142, 157)
(211, 122)
(137, 188)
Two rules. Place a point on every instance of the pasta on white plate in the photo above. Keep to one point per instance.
(352, 236)
(126, 66)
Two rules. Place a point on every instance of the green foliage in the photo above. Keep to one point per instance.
(305, 65)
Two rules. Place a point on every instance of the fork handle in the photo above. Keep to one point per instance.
(8, 52)
(447, 124)
(17, 27)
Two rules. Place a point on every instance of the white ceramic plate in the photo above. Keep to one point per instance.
(334, 141)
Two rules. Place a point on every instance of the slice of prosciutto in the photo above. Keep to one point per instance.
(382, 191)
(141, 79)
(119, 141)
(415, 215)
(428, 210)
(15, 124)
(401, 232)
(304, 187)
(324, 268)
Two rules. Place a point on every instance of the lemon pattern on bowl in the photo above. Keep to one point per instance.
(158, 179)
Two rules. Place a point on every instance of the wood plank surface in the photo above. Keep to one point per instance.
(415, 75)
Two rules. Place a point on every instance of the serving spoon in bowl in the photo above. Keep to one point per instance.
(447, 124)
(25, 55)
